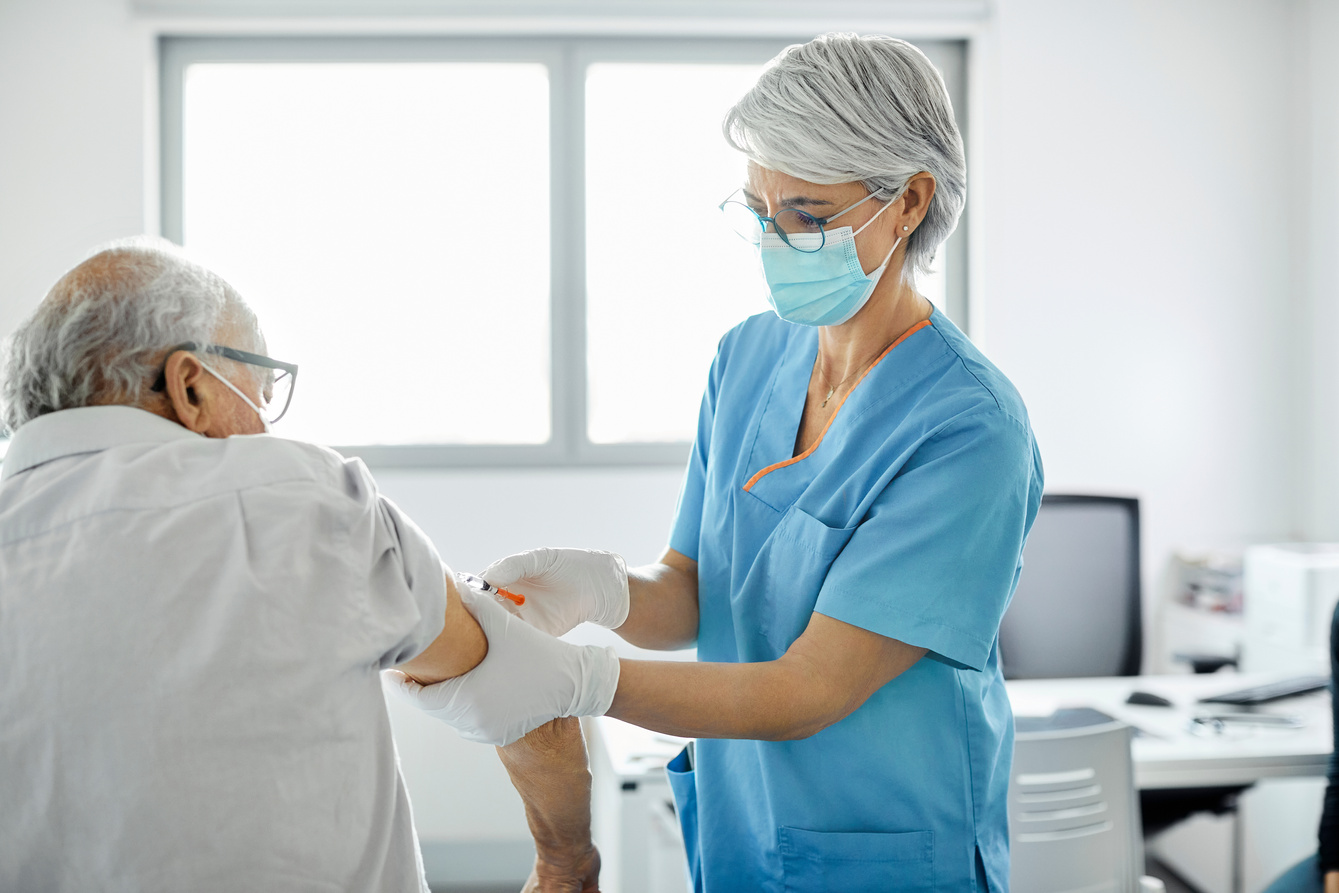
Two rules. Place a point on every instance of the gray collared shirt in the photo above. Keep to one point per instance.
(190, 637)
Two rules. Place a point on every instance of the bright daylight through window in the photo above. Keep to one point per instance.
(665, 277)
(518, 253)
(389, 224)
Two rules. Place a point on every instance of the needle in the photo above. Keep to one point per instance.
(483, 585)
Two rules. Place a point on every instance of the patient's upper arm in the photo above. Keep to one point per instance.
(457, 650)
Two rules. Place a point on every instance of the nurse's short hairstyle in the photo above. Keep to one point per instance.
(100, 334)
(844, 108)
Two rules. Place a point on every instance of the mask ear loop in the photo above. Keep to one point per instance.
(247, 400)
(888, 204)
(889, 257)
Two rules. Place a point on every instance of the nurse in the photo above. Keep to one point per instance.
(851, 523)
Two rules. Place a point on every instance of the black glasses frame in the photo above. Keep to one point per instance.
(240, 356)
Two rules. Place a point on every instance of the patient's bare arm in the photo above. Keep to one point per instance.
(459, 648)
(548, 768)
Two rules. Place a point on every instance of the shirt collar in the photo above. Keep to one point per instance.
(88, 429)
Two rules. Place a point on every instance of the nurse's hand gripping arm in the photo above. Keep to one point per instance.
(827, 673)
(526, 679)
(652, 607)
(529, 678)
(457, 649)
(548, 768)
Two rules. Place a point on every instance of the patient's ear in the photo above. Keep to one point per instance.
(190, 391)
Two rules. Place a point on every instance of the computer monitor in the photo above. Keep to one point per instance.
(1077, 608)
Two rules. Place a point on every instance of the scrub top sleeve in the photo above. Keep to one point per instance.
(936, 559)
(687, 526)
(405, 584)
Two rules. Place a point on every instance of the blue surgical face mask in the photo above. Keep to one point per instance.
(819, 288)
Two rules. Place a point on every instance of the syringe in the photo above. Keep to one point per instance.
(483, 585)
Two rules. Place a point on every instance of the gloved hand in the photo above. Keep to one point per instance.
(526, 679)
(564, 587)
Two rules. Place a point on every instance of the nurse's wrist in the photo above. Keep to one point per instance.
(662, 607)
(614, 603)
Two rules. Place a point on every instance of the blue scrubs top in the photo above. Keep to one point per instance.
(907, 519)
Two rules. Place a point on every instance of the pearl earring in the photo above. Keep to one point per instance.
(905, 228)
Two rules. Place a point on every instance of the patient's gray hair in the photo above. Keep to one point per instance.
(844, 108)
(102, 331)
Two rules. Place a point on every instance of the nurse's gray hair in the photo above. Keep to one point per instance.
(101, 333)
(844, 108)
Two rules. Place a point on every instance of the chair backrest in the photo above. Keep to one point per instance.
(1077, 608)
(1074, 813)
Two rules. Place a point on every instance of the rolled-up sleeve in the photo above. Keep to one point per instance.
(405, 591)
(936, 559)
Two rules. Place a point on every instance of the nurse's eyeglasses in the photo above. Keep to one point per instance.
(276, 390)
(788, 222)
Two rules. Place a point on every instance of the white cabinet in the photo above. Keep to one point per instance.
(633, 818)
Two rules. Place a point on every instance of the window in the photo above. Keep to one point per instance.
(480, 252)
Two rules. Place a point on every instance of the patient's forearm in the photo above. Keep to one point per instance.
(549, 769)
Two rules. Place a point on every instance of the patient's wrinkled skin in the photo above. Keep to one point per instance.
(549, 769)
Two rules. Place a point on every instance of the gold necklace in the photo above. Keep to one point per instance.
(832, 389)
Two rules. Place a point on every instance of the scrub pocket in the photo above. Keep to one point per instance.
(830, 861)
(683, 784)
(779, 594)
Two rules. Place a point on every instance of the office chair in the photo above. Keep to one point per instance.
(1073, 813)
(1077, 612)
(1077, 608)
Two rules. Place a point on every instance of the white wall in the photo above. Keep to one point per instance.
(1318, 264)
(1137, 262)
(73, 111)
(1159, 198)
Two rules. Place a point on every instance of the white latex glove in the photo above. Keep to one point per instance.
(564, 587)
(526, 679)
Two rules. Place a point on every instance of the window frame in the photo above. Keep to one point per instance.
(566, 58)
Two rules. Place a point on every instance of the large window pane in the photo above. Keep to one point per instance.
(389, 223)
(666, 278)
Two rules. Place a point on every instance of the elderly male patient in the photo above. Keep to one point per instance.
(192, 623)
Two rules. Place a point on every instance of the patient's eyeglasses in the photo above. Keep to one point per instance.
(276, 390)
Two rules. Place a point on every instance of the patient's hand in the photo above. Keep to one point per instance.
(548, 768)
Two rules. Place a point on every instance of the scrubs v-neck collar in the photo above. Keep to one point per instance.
(774, 447)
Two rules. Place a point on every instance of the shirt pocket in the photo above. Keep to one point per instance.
(782, 586)
(821, 861)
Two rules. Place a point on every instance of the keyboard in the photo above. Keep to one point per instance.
(1260, 694)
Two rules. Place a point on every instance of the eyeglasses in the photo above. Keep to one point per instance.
(788, 222)
(276, 390)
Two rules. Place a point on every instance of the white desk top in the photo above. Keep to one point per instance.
(1167, 755)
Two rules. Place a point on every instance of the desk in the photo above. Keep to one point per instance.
(635, 828)
(1168, 754)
